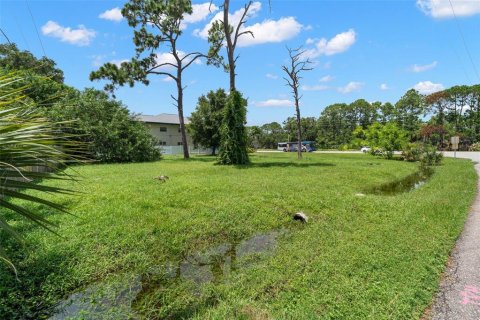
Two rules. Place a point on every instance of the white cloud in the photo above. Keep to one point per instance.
(167, 79)
(233, 19)
(271, 76)
(427, 87)
(113, 15)
(267, 31)
(384, 87)
(200, 12)
(338, 44)
(80, 37)
(315, 88)
(350, 87)
(327, 78)
(416, 68)
(443, 9)
(275, 103)
(271, 31)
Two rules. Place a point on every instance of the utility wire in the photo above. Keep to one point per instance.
(463, 39)
(35, 25)
(5, 36)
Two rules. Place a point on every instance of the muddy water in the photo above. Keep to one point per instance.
(409, 183)
(114, 300)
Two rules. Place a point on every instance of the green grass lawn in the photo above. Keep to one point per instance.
(359, 257)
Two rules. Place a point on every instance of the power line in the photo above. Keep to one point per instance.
(463, 39)
(5, 36)
(35, 25)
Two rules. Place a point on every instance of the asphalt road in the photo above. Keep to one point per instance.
(459, 295)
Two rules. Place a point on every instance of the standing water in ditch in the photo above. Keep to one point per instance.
(409, 183)
(120, 298)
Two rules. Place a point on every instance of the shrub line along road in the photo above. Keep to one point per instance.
(459, 295)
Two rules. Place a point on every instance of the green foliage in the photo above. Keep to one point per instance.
(425, 153)
(430, 156)
(133, 227)
(409, 110)
(206, 120)
(384, 139)
(233, 149)
(39, 79)
(412, 152)
(308, 126)
(32, 149)
(111, 133)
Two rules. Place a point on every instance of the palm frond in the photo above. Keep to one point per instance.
(31, 149)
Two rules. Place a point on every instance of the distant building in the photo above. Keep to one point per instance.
(166, 128)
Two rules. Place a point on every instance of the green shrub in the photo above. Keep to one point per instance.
(412, 152)
(106, 126)
(430, 156)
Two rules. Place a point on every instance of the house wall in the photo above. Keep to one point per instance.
(171, 137)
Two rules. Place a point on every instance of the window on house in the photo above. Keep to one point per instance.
(180, 143)
(163, 129)
(179, 129)
(162, 143)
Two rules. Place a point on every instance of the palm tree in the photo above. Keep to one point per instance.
(31, 149)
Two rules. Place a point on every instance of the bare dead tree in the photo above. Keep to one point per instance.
(297, 65)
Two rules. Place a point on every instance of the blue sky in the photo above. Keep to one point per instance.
(375, 50)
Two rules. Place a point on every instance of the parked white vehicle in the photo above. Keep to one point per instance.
(365, 149)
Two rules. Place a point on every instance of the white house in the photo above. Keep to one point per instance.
(166, 128)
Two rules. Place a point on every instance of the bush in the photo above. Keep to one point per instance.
(426, 154)
(430, 156)
(110, 131)
(475, 147)
(412, 152)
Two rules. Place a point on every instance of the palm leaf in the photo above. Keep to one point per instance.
(28, 141)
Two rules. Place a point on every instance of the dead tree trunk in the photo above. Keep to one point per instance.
(297, 65)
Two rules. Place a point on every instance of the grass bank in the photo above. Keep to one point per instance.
(359, 257)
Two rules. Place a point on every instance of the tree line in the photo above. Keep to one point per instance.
(432, 119)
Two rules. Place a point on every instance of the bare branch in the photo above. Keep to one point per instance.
(242, 22)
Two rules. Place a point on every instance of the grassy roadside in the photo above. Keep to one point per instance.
(360, 257)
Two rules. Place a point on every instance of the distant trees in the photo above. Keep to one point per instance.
(409, 111)
(206, 120)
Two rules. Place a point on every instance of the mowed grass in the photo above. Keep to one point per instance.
(370, 257)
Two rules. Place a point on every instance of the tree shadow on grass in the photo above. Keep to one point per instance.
(284, 165)
(202, 158)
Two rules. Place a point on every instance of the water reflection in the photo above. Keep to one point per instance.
(409, 183)
(210, 266)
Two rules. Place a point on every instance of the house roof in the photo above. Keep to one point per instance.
(166, 118)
